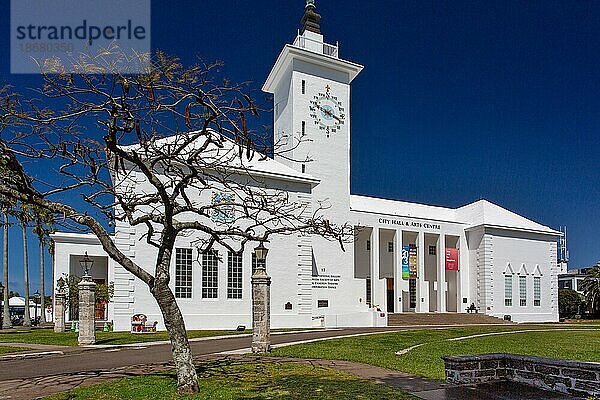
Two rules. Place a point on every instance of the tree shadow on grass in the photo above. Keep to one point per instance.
(286, 380)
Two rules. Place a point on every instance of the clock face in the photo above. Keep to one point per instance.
(327, 111)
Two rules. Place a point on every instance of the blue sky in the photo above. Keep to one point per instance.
(458, 100)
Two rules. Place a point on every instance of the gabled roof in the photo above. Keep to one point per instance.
(257, 165)
(480, 213)
(401, 208)
(486, 213)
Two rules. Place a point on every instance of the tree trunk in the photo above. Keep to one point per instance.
(42, 288)
(187, 379)
(6, 322)
(26, 318)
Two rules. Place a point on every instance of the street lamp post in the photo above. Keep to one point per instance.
(87, 303)
(261, 303)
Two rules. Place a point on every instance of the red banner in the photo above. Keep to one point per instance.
(452, 259)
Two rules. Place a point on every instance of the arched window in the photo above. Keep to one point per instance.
(508, 283)
(537, 286)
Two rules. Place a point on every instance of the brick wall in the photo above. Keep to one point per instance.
(573, 377)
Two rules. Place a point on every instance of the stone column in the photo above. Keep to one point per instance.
(422, 285)
(378, 287)
(441, 272)
(59, 312)
(87, 305)
(261, 311)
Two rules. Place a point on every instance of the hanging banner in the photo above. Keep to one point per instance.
(451, 259)
(405, 268)
(412, 261)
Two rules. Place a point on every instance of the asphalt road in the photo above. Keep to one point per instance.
(107, 359)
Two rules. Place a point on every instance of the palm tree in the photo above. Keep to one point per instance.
(591, 288)
(43, 227)
(6, 322)
(24, 218)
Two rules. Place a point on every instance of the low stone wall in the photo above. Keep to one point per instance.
(572, 377)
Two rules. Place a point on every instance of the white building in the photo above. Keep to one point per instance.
(406, 257)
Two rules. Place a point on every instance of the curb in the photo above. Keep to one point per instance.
(202, 339)
(31, 355)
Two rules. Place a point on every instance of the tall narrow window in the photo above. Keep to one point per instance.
(256, 262)
(390, 247)
(234, 275)
(368, 245)
(537, 291)
(508, 290)
(303, 168)
(522, 291)
(210, 274)
(303, 86)
(368, 291)
(183, 273)
(303, 128)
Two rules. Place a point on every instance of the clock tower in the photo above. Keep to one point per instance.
(310, 84)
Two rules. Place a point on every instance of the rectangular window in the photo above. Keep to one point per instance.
(522, 291)
(537, 291)
(368, 245)
(210, 274)
(303, 128)
(256, 263)
(303, 168)
(508, 290)
(322, 303)
(183, 273)
(303, 86)
(390, 247)
(432, 250)
(368, 291)
(234, 275)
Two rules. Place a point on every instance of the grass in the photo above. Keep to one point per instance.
(426, 360)
(10, 349)
(236, 380)
(69, 338)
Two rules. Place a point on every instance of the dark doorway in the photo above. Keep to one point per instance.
(412, 290)
(390, 295)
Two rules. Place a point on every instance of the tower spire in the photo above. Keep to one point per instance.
(311, 21)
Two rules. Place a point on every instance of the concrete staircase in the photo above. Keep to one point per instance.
(409, 319)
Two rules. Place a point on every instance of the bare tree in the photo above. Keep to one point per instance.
(150, 151)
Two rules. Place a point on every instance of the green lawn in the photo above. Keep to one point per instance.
(425, 360)
(47, 336)
(235, 380)
(9, 349)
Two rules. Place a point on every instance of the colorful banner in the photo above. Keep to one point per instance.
(405, 268)
(451, 259)
(412, 261)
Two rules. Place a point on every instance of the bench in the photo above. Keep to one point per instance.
(140, 324)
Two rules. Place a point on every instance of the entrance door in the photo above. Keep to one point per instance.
(390, 295)
(412, 290)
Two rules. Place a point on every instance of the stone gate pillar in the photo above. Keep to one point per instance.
(261, 311)
(87, 306)
(59, 312)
